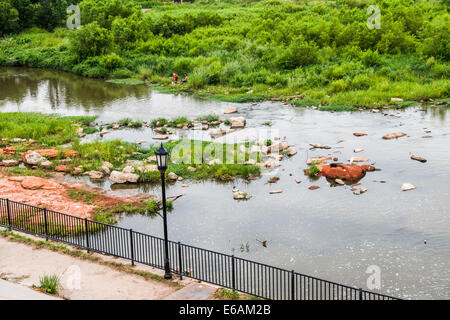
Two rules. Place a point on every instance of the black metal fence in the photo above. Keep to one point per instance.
(228, 271)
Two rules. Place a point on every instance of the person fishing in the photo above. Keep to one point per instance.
(175, 77)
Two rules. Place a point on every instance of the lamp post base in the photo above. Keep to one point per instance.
(167, 276)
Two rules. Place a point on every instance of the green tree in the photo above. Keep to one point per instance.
(105, 11)
(90, 40)
(9, 18)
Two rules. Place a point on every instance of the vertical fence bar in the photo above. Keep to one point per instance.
(292, 285)
(360, 294)
(46, 225)
(87, 233)
(180, 260)
(131, 247)
(233, 275)
(9, 214)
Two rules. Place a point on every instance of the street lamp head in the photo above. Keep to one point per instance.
(162, 156)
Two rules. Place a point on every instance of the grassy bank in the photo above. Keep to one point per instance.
(60, 133)
(308, 53)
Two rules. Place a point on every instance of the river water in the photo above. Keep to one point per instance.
(329, 232)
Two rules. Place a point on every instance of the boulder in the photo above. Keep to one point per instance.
(237, 122)
(32, 157)
(161, 137)
(45, 163)
(291, 151)
(8, 151)
(34, 183)
(128, 169)
(123, 177)
(408, 186)
(239, 195)
(230, 110)
(348, 172)
(394, 135)
(9, 163)
(172, 176)
(94, 175)
(62, 168)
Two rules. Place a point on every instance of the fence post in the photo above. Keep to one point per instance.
(360, 294)
(132, 247)
(9, 214)
(180, 261)
(87, 233)
(292, 285)
(233, 276)
(45, 221)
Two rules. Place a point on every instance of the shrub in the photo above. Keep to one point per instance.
(50, 284)
(111, 61)
(90, 40)
(361, 82)
(371, 58)
(338, 86)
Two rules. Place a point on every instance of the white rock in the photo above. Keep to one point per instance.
(356, 150)
(9, 163)
(237, 122)
(128, 169)
(408, 186)
(172, 176)
(34, 158)
(122, 177)
(230, 110)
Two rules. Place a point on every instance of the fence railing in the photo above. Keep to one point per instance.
(225, 270)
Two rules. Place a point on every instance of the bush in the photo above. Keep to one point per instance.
(90, 40)
(50, 284)
(111, 61)
(371, 58)
(360, 82)
(338, 86)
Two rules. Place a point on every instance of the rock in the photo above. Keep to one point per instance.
(103, 132)
(318, 160)
(275, 191)
(339, 181)
(230, 110)
(172, 176)
(362, 190)
(9, 163)
(62, 168)
(192, 169)
(348, 172)
(8, 151)
(408, 186)
(67, 160)
(147, 168)
(417, 158)
(271, 164)
(128, 169)
(237, 122)
(183, 185)
(45, 163)
(239, 195)
(180, 179)
(298, 181)
(214, 161)
(273, 179)
(335, 159)
(70, 153)
(32, 157)
(319, 146)
(358, 159)
(123, 177)
(357, 150)
(34, 183)
(151, 159)
(115, 126)
(160, 137)
(394, 135)
(291, 151)
(94, 175)
(396, 100)
(77, 170)
(250, 161)
(313, 187)
(359, 134)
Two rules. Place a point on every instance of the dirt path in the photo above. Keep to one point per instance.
(80, 279)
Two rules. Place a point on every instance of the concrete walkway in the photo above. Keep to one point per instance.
(80, 279)
(193, 291)
(14, 291)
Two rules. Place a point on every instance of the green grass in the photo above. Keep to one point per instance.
(227, 294)
(25, 171)
(313, 170)
(50, 283)
(304, 52)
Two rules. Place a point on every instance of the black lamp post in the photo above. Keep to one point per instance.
(162, 157)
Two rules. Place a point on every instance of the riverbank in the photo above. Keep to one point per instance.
(315, 55)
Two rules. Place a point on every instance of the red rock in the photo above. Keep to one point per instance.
(70, 153)
(344, 171)
(34, 183)
(48, 153)
(394, 135)
(8, 151)
(313, 187)
(359, 134)
(62, 168)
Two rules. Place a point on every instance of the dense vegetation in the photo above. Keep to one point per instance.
(322, 52)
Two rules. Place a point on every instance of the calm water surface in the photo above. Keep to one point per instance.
(329, 232)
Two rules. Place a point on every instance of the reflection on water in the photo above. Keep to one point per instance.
(329, 232)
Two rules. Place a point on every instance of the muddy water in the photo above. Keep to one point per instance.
(329, 232)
